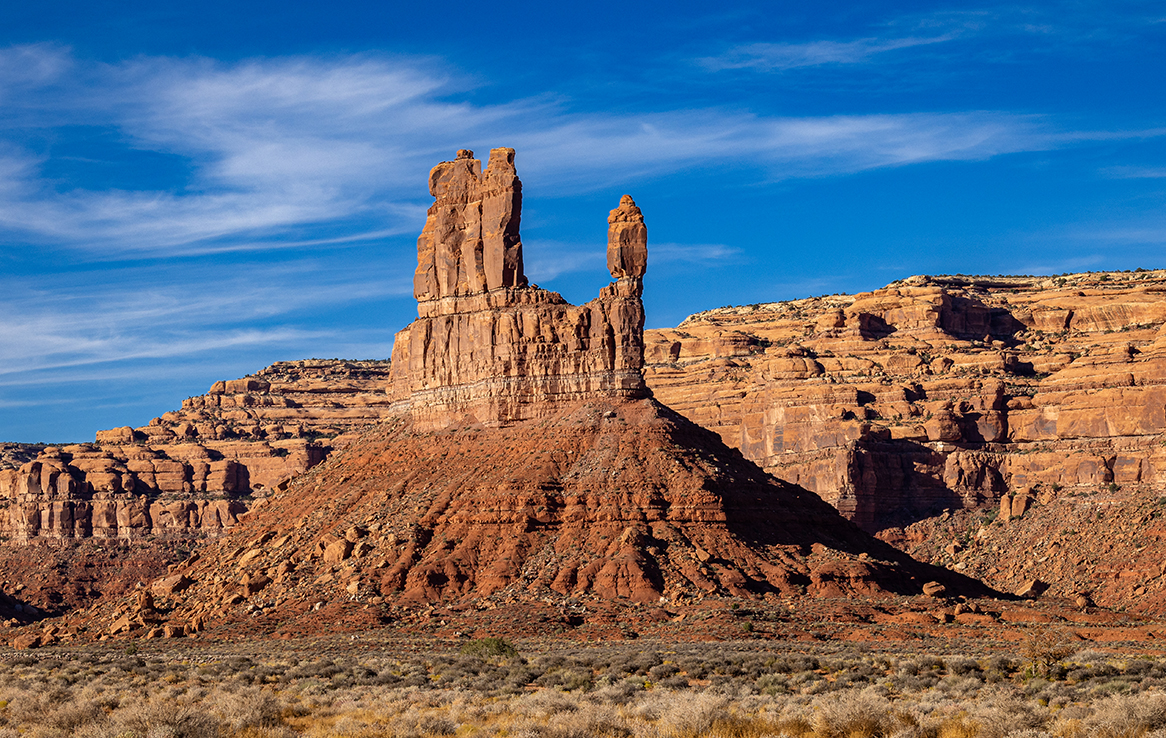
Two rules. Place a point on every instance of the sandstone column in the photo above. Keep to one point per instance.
(501, 213)
(627, 240)
(471, 243)
(454, 185)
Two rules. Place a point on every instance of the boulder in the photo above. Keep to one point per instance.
(122, 435)
(253, 584)
(338, 551)
(1032, 589)
(168, 586)
(26, 641)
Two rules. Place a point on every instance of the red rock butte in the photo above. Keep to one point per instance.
(525, 461)
(488, 347)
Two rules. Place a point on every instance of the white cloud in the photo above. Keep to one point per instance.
(153, 313)
(545, 260)
(784, 56)
(704, 254)
(308, 149)
(1128, 172)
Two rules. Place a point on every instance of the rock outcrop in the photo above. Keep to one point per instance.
(470, 243)
(627, 240)
(313, 399)
(936, 392)
(86, 491)
(527, 464)
(487, 347)
(188, 473)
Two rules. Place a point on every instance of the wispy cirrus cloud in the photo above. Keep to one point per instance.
(304, 149)
(1134, 172)
(93, 318)
(785, 56)
(704, 254)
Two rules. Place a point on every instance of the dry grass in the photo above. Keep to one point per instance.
(686, 692)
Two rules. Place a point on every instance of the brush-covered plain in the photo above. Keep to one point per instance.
(492, 688)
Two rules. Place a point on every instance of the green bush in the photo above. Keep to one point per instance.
(490, 648)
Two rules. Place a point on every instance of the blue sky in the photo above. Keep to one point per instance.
(188, 194)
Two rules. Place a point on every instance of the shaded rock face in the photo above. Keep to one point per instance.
(487, 347)
(935, 392)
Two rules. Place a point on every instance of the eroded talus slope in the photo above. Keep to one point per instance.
(934, 392)
(609, 500)
(1098, 547)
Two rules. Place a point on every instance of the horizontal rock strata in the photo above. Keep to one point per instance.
(934, 393)
(188, 472)
(486, 346)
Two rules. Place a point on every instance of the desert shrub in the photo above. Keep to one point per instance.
(1138, 667)
(569, 679)
(249, 708)
(957, 726)
(854, 713)
(663, 671)
(1004, 713)
(693, 667)
(619, 693)
(324, 669)
(674, 682)
(965, 667)
(490, 648)
(921, 665)
(912, 683)
(1127, 716)
(999, 669)
(159, 718)
(545, 703)
(792, 664)
(1045, 647)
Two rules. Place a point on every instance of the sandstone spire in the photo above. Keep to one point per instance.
(470, 243)
(627, 240)
(487, 346)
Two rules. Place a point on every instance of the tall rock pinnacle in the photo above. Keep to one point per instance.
(470, 243)
(627, 240)
(488, 347)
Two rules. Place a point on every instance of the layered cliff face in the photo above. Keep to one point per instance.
(309, 399)
(526, 465)
(487, 347)
(189, 473)
(935, 392)
(120, 492)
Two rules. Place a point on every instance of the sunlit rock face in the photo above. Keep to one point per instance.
(489, 347)
(935, 393)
